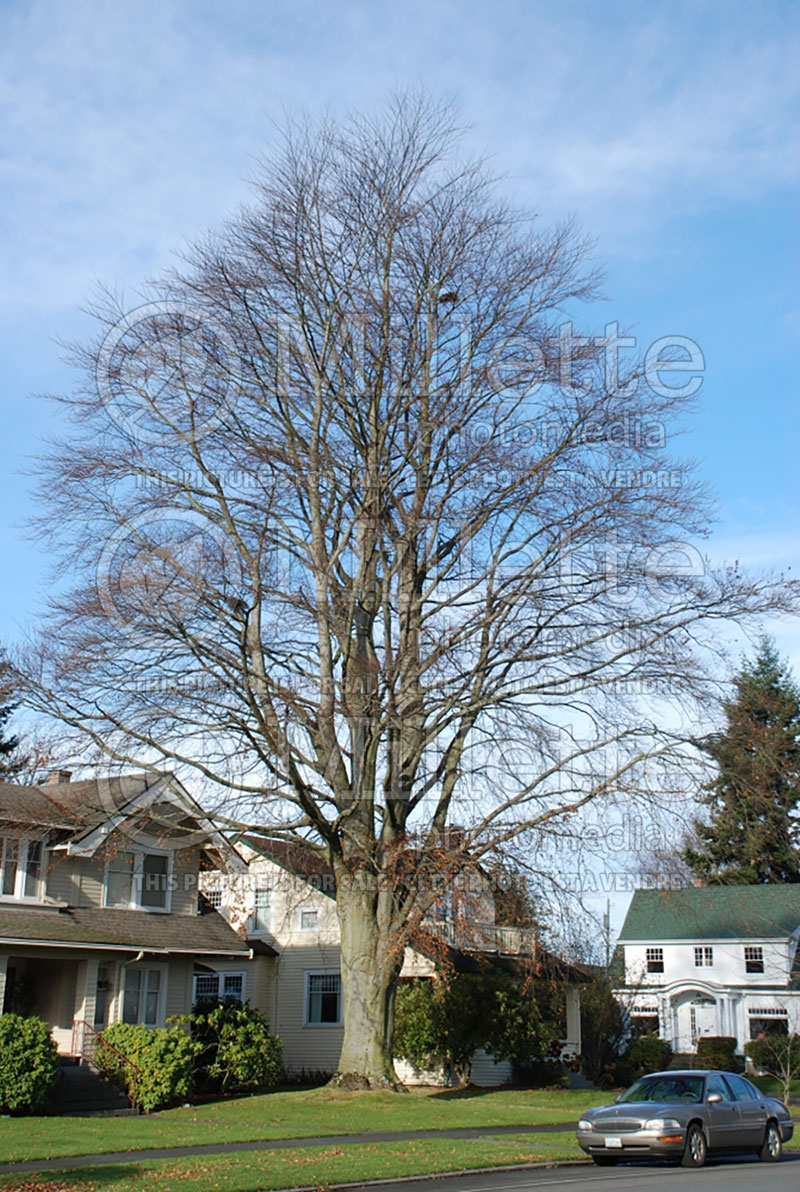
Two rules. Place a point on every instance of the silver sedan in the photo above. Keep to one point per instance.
(686, 1116)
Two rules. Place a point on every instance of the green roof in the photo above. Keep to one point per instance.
(713, 913)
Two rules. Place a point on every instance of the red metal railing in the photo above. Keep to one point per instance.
(79, 1047)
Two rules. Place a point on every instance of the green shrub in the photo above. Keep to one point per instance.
(164, 1059)
(29, 1064)
(648, 1053)
(717, 1051)
(447, 1020)
(235, 1050)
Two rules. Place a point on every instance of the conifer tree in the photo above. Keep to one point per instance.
(10, 760)
(753, 833)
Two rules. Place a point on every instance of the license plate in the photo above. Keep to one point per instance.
(613, 1141)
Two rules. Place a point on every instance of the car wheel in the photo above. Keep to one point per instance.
(694, 1153)
(772, 1146)
(605, 1160)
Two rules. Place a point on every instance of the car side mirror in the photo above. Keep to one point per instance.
(714, 1098)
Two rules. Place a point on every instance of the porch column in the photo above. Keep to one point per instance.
(574, 1017)
(86, 989)
(3, 969)
(664, 1019)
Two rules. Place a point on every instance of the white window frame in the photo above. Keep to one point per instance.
(145, 968)
(221, 975)
(23, 844)
(756, 957)
(654, 955)
(308, 910)
(703, 956)
(215, 898)
(308, 974)
(254, 928)
(135, 904)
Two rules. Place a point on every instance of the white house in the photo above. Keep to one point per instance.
(285, 907)
(712, 960)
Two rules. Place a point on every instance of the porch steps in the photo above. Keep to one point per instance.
(682, 1060)
(80, 1090)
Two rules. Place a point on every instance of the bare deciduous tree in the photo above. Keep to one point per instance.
(357, 528)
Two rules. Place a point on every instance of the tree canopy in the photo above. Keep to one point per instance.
(359, 529)
(752, 833)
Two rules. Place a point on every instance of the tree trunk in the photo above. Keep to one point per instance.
(370, 968)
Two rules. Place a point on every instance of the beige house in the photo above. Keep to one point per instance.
(100, 919)
(284, 903)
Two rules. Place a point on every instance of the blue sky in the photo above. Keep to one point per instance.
(669, 130)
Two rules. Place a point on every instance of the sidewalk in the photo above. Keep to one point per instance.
(219, 1148)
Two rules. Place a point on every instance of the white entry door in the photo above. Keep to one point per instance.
(702, 1018)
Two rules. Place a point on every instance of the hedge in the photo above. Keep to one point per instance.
(162, 1056)
(29, 1064)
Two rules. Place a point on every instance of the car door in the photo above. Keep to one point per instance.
(751, 1110)
(724, 1118)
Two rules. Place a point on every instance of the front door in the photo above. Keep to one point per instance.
(702, 1019)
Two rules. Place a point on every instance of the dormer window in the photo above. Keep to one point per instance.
(21, 864)
(138, 881)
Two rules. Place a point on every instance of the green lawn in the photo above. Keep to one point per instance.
(303, 1166)
(290, 1114)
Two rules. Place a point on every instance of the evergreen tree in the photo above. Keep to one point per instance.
(753, 833)
(10, 760)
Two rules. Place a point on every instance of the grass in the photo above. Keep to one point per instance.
(317, 1167)
(774, 1088)
(291, 1114)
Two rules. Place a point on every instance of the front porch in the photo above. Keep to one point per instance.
(683, 1012)
(79, 993)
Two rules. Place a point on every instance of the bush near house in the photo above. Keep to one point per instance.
(717, 1051)
(163, 1059)
(649, 1053)
(29, 1064)
(236, 1052)
(448, 1019)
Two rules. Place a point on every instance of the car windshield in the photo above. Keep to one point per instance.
(665, 1088)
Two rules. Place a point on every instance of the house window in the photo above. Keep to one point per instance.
(309, 920)
(21, 863)
(141, 996)
(323, 999)
(138, 880)
(219, 985)
(703, 957)
(262, 898)
(655, 960)
(766, 1020)
(753, 959)
(214, 898)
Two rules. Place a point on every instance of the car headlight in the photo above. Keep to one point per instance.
(662, 1124)
(585, 1124)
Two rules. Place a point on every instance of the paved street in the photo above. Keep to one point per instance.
(734, 1175)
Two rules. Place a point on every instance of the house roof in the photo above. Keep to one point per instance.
(74, 805)
(71, 804)
(102, 927)
(299, 859)
(713, 912)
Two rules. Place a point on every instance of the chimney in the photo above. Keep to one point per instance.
(699, 883)
(57, 777)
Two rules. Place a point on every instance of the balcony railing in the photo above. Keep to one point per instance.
(487, 937)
